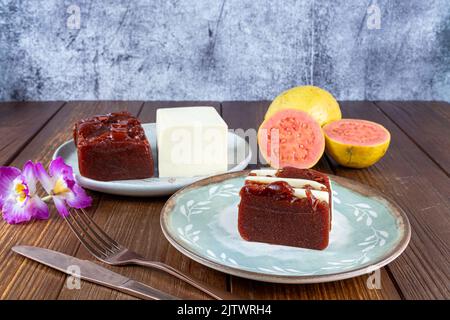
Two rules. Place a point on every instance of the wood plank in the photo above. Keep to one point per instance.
(135, 223)
(426, 123)
(422, 189)
(249, 115)
(19, 122)
(246, 117)
(21, 278)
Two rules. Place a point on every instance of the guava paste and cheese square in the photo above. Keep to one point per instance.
(289, 206)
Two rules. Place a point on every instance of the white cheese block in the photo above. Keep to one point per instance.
(192, 141)
(293, 182)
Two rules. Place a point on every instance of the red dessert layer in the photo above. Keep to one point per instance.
(309, 174)
(113, 147)
(272, 213)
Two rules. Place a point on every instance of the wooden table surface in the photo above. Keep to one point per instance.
(414, 172)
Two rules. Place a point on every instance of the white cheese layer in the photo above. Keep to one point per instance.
(321, 195)
(265, 172)
(297, 184)
(191, 141)
(293, 182)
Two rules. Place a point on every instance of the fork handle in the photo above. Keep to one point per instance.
(218, 294)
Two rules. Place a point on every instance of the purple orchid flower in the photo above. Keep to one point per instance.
(18, 199)
(60, 184)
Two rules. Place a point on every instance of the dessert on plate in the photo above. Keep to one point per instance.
(287, 206)
(113, 147)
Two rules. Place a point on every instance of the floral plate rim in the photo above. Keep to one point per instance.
(390, 255)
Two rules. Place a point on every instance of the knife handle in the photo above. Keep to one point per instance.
(140, 290)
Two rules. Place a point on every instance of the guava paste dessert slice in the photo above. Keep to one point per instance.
(290, 207)
(291, 138)
(113, 147)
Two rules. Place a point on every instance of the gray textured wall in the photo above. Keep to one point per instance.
(223, 50)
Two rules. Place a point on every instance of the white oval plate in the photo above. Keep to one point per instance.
(239, 156)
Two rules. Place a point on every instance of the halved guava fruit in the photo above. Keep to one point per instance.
(317, 102)
(356, 143)
(291, 138)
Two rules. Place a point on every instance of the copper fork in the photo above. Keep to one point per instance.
(106, 249)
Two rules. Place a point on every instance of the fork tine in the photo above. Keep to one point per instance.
(100, 230)
(85, 238)
(108, 246)
(94, 251)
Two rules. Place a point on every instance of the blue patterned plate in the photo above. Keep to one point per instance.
(367, 233)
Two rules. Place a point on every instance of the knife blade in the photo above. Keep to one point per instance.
(91, 272)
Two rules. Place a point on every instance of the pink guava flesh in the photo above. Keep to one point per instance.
(357, 132)
(291, 138)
